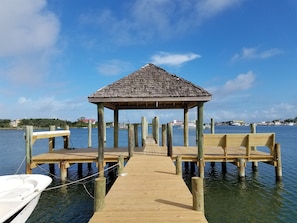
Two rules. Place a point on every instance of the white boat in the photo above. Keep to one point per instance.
(19, 195)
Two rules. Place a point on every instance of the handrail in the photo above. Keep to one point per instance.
(240, 140)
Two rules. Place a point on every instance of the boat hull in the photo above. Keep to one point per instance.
(19, 195)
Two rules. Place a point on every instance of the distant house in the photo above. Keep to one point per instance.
(14, 123)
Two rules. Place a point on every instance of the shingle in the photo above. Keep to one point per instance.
(151, 82)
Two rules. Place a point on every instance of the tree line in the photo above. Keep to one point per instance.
(45, 123)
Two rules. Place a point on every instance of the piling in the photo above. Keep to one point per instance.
(89, 134)
(63, 170)
(169, 139)
(254, 148)
(157, 130)
(163, 134)
(186, 127)
(212, 126)
(51, 141)
(241, 163)
(136, 135)
(51, 146)
(179, 165)
(116, 128)
(212, 131)
(29, 143)
(143, 130)
(66, 139)
(100, 191)
(100, 108)
(198, 194)
(131, 140)
(278, 167)
(120, 165)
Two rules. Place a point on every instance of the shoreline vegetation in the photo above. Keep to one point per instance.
(82, 122)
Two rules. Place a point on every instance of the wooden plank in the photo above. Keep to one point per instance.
(150, 192)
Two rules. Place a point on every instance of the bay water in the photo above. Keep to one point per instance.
(256, 198)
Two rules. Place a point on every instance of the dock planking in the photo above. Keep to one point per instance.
(149, 192)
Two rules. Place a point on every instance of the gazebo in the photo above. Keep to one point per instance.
(150, 87)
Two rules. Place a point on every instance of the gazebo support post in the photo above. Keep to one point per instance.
(186, 126)
(116, 128)
(200, 139)
(100, 109)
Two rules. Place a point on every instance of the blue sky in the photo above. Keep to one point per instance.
(54, 54)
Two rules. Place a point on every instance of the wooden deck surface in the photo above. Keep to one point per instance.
(150, 192)
(211, 154)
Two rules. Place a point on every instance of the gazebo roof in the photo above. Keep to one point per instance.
(150, 87)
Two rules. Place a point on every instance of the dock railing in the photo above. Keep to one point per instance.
(248, 143)
(31, 137)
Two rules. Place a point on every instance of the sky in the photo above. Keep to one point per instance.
(54, 54)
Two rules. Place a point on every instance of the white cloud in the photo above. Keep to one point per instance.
(241, 82)
(210, 8)
(113, 67)
(254, 53)
(29, 34)
(145, 20)
(26, 27)
(233, 87)
(164, 58)
(47, 107)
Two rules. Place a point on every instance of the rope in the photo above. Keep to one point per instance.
(79, 180)
(18, 169)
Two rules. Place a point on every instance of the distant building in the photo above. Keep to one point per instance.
(14, 123)
(86, 120)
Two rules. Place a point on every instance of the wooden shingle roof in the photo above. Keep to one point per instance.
(150, 87)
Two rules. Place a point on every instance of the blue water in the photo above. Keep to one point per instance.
(257, 198)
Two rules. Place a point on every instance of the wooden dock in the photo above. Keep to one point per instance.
(149, 191)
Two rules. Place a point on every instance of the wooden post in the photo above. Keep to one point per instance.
(66, 138)
(79, 169)
(154, 128)
(136, 135)
(100, 191)
(278, 168)
(200, 140)
(63, 170)
(169, 139)
(157, 130)
(120, 165)
(143, 130)
(51, 148)
(51, 141)
(212, 126)
(179, 165)
(241, 172)
(212, 131)
(100, 108)
(186, 127)
(163, 134)
(29, 145)
(224, 167)
(198, 194)
(131, 140)
(89, 134)
(116, 128)
(254, 148)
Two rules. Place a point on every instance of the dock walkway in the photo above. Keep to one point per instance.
(150, 191)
